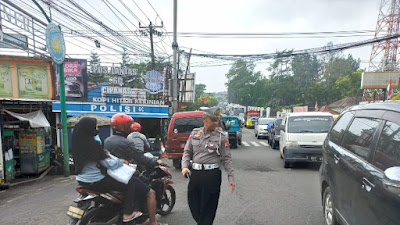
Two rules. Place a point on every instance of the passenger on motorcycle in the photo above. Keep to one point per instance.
(139, 140)
(89, 156)
(121, 147)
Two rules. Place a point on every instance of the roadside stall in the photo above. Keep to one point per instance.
(26, 92)
(26, 143)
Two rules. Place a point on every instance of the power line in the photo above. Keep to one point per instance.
(320, 50)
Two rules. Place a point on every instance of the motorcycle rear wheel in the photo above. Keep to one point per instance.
(99, 215)
(167, 202)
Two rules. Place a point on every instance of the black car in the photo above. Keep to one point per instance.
(360, 171)
(275, 134)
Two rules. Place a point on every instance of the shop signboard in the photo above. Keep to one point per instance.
(6, 89)
(14, 41)
(109, 109)
(122, 85)
(25, 78)
(32, 80)
(75, 74)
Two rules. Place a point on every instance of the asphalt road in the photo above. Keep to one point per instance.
(266, 193)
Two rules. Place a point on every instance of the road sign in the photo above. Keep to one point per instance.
(13, 41)
(372, 80)
(55, 43)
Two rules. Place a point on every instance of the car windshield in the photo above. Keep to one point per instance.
(264, 121)
(232, 122)
(309, 124)
(186, 125)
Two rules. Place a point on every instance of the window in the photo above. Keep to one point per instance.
(309, 124)
(388, 149)
(186, 125)
(359, 136)
(338, 129)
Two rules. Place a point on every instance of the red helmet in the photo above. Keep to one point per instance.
(136, 127)
(121, 122)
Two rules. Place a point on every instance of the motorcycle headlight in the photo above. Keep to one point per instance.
(292, 144)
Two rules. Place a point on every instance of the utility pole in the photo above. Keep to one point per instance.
(60, 67)
(174, 89)
(151, 31)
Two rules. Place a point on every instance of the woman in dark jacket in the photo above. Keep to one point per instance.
(88, 154)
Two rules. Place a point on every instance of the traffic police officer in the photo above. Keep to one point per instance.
(207, 147)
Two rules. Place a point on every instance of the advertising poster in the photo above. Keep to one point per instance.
(27, 143)
(6, 89)
(40, 144)
(75, 74)
(33, 80)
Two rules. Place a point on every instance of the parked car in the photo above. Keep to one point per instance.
(234, 129)
(179, 129)
(260, 128)
(360, 172)
(302, 136)
(274, 135)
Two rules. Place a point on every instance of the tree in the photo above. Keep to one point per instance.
(94, 59)
(199, 90)
(306, 69)
(281, 65)
(96, 77)
(339, 66)
(241, 79)
(125, 58)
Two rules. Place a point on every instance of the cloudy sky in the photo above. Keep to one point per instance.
(215, 16)
(266, 16)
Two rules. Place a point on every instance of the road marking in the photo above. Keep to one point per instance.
(264, 143)
(255, 143)
(16, 198)
(245, 143)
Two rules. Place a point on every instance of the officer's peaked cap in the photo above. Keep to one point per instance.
(212, 112)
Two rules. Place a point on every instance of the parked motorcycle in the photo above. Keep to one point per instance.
(106, 208)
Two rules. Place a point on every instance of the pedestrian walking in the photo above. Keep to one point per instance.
(207, 147)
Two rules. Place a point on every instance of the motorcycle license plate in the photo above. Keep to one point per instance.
(75, 212)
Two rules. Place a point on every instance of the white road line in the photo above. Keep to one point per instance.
(255, 143)
(264, 143)
(245, 143)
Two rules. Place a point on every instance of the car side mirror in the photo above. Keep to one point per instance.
(282, 127)
(391, 180)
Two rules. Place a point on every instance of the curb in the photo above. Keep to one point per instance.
(32, 180)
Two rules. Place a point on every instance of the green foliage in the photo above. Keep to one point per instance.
(125, 58)
(199, 102)
(199, 90)
(241, 80)
(95, 77)
(298, 81)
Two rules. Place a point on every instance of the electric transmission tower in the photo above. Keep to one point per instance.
(385, 54)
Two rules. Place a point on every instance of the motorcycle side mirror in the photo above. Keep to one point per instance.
(391, 180)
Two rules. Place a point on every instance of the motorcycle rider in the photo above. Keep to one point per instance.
(88, 154)
(140, 141)
(123, 148)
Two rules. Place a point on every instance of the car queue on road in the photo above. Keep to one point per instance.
(359, 155)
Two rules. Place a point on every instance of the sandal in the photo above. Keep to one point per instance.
(135, 215)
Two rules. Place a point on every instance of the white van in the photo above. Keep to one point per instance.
(302, 136)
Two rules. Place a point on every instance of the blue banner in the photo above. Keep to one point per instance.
(108, 109)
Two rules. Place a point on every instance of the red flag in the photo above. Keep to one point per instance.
(389, 89)
(316, 106)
